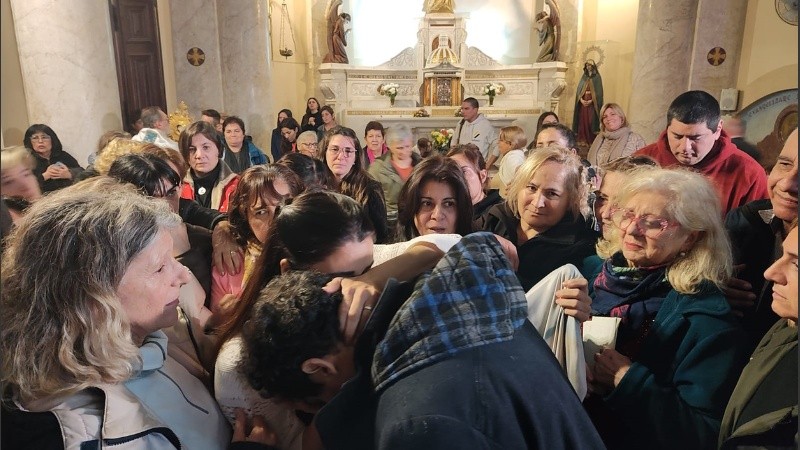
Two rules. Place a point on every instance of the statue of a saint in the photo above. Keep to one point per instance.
(547, 37)
(337, 34)
(588, 100)
(439, 6)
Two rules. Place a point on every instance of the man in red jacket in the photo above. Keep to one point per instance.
(694, 138)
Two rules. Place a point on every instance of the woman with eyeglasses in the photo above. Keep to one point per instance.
(55, 168)
(341, 152)
(679, 349)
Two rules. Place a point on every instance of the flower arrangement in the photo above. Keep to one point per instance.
(491, 90)
(459, 112)
(421, 113)
(441, 139)
(389, 90)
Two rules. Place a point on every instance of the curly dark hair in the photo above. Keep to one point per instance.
(257, 183)
(293, 320)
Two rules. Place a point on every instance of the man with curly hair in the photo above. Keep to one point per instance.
(452, 365)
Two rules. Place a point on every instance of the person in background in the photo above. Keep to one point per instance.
(55, 168)
(544, 118)
(424, 148)
(107, 137)
(312, 119)
(210, 181)
(476, 129)
(679, 349)
(328, 122)
(434, 200)
(756, 230)
(694, 138)
(473, 167)
(289, 131)
(213, 117)
(736, 129)
(511, 144)
(155, 128)
(18, 184)
(616, 139)
(374, 134)
(342, 154)
(394, 168)
(277, 138)
(762, 411)
(136, 122)
(241, 153)
(545, 214)
(307, 143)
(312, 172)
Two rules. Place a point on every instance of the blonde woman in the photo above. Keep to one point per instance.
(511, 143)
(679, 349)
(18, 184)
(615, 139)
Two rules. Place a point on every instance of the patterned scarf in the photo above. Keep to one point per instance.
(632, 293)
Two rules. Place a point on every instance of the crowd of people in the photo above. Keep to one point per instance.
(203, 293)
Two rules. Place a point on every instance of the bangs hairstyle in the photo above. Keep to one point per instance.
(233, 119)
(295, 234)
(16, 156)
(199, 127)
(693, 203)
(409, 201)
(62, 327)
(40, 127)
(256, 184)
(575, 184)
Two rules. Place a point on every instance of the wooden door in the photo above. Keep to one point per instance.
(137, 47)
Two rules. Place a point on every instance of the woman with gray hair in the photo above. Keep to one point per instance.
(394, 168)
(84, 360)
(679, 349)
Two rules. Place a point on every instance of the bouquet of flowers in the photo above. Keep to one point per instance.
(421, 113)
(491, 90)
(441, 139)
(389, 90)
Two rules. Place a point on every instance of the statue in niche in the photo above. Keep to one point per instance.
(337, 34)
(588, 100)
(439, 6)
(548, 24)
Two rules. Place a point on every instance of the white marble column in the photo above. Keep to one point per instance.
(246, 66)
(718, 30)
(194, 24)
(68, 69)
(662, 61)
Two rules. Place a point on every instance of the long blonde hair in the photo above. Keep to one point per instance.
(694, 204)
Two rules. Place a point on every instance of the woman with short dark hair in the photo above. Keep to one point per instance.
(55, 168)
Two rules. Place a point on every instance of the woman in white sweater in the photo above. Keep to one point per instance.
(616, 139)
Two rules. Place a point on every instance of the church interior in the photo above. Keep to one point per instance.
(252, 58)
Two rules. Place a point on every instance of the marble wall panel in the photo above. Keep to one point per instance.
(718, 30)
(246, 65)
(194, 24)
(68, 69)
(662, 61)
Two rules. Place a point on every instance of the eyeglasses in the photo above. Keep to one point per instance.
(348, 152)
(40, 137)
(650, 225)
(310, 144)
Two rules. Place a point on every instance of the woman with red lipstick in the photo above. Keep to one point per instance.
(55, 168)
(545, 213)
(434, 200)
(210, 182)
(762, 411)
(679, 349)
